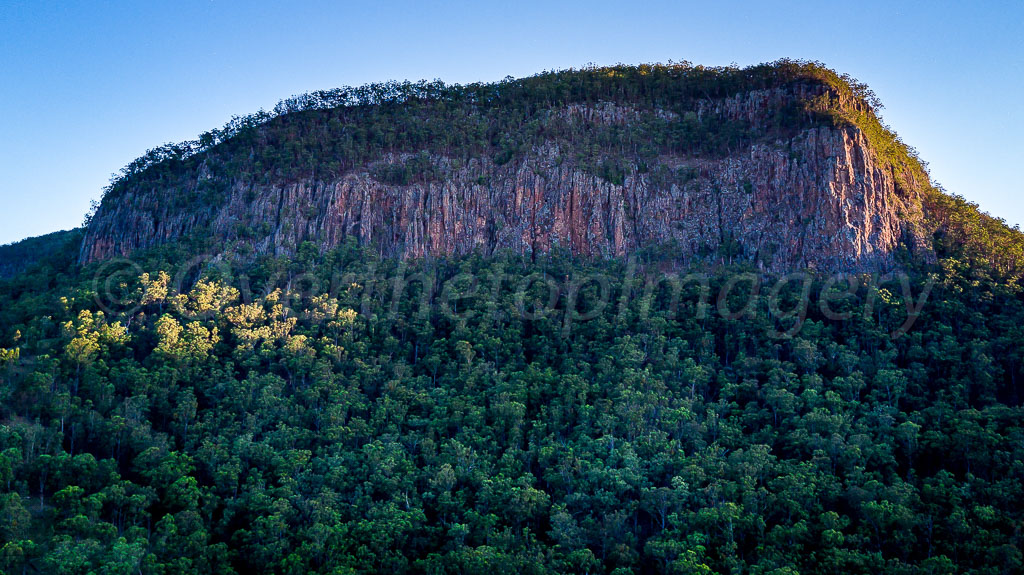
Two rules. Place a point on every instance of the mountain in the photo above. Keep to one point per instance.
(17, 257)
(783, 165)
(401, 329)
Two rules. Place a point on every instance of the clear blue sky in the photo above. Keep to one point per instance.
(87, 87)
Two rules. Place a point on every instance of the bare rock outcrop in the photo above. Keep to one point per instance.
(819, 197)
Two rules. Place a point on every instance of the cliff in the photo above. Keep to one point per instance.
(769, 169)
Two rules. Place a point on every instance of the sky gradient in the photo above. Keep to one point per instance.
(87, 87)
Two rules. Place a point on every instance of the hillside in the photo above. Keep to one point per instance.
(17, 257)
(783, 165)
(548, 325)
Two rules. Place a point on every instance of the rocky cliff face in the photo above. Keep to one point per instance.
(816, 197)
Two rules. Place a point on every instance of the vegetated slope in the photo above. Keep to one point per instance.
(19, 256)
(784, 165)
(337, 411)
(252, 424)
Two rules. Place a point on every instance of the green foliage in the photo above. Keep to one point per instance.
(53, 249)
(413, 133)
(315, 415)
(356, 428)
(326, 133)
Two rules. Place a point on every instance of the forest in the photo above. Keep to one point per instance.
(338, 412)
(505, 415)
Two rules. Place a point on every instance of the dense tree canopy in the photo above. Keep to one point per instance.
(340, 413)
(343, 414)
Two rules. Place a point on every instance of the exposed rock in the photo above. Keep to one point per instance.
(820, 198)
